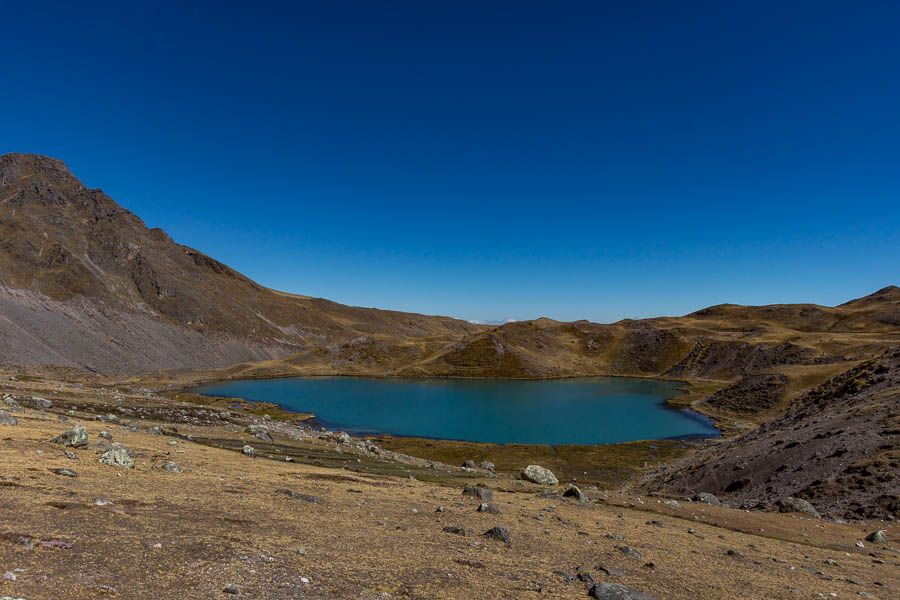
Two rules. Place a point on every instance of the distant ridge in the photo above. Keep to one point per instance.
(84, 283)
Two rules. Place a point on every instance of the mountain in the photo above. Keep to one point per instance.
(84, 283)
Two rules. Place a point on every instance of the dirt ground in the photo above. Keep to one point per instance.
(225, 520)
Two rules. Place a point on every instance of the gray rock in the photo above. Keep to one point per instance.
(791, 504)
(614, 591)
(172, 467)
(109, 418)
(65, 472)
(7, 419)
(469, 464)
(706, 499)
(574, 492)
(118, 456)
(615, 536)
(11, 403)
(877, 537)
(105, 435)
(267, 417)
(260, 432)
(231, 589)
(41, 402)
(672, 503)
(9, 576)
(172, 443)
(539, 475)
(249, 450)
(71, 455)
(630, 552)
(224, 415)
(155, 430)
(76, 437)
(489, 508)
(482, 493)
(454, 530)
(498, 533)
(487, 465)
(303, 497)
(611, 571)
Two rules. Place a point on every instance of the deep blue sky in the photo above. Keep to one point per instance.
(485, 160)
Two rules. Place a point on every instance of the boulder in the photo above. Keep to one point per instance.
(260, 432)
(482, 493)
(706, 499)
(487, 465)
(539, 475)
(118, 456)
(7, 419)
(791, 504)
(877, 537)
(498, 533)
(469, 464)
(41, 402)
(76, 437)
(249, 450)
(574, 492)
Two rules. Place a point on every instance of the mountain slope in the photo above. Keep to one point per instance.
(84, 283)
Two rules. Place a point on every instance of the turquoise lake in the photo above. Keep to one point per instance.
(595, 410)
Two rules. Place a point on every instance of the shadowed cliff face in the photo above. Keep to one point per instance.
(83, 282)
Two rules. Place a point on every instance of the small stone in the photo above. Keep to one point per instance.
(267, 417)
(539, 475)
(105, 435)
(109, 418)
(172, 467)
(231, 589)
(171, 443)
(615, 536)
(155, 430)
(489, 508)
(7, 419)
(9, 576)
(102, 502)
(71, 455)
(249, 451)
(301, 551)
(672, 503)
(734, 553)
(487, 465)
(454, 530)
(65, 472)
(224, 415)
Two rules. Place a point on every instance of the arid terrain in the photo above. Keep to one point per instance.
(100, 315)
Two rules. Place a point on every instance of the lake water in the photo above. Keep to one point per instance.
(595, 410)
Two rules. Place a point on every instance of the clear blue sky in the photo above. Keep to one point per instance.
(485, 160)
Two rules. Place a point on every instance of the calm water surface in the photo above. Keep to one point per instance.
(595, 410)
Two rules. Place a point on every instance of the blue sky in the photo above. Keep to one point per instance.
(485, 160)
